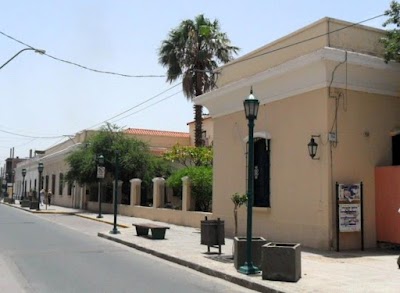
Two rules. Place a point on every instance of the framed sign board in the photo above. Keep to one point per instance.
(101, 172)
(349, 210)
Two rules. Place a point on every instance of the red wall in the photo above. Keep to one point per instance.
(387, 204)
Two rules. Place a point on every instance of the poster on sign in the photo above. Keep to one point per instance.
(349, 217)
(349, 192)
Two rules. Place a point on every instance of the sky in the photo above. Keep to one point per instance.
(43, 100)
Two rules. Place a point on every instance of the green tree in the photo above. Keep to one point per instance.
(392, 40)
(193, 50)
(238, 200)
(135, 159)
(189, 156)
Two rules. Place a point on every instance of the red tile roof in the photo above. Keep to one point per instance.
(136, 131)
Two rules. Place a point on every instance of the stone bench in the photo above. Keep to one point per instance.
(157, 231)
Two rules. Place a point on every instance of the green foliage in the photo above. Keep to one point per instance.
(190, 156)
(201, 184)
(192, 51)
(135, 159)
(238, 199)
(392, 40)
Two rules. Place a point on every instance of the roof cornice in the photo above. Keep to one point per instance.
(305, 73)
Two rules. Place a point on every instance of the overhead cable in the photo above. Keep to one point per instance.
(137, 105)
(79, 65)
(166, 98)
(30, 136)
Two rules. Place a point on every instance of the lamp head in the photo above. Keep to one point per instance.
(251, 105)
(40, 167)
(100, 160)
(41, 52)
(312, 148)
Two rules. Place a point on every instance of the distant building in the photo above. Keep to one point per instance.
(160, 141)
(56, 168)
(207, 131)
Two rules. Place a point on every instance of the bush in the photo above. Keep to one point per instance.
(201, 180)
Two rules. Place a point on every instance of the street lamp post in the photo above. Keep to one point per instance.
(12, 184)
(40, 169)
(23, 183)
(115, 230)
(100, 174)
(26, 49)
(251, 109)
(7, 178)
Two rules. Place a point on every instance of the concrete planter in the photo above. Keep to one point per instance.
(281, 262)
(25, 203)
(9, 200)
(34, 205)
(240, 244)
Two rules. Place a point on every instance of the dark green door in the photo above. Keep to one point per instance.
(261, 173)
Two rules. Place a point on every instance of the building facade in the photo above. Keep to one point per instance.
(327, 81)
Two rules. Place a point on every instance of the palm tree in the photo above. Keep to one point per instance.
(193, 50)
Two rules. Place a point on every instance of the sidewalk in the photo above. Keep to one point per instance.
(356, 271)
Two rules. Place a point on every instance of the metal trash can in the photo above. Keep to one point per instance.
(212, 233)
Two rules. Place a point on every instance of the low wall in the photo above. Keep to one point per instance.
(177, 217)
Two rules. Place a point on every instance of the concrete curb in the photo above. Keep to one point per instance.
(103, 221)
(38, 212)
(197, 267)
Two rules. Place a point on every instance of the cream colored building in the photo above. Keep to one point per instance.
(56, 168)
(54, 172)
(328, 77)
(207, 129)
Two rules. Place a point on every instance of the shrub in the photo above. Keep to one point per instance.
(201, 182)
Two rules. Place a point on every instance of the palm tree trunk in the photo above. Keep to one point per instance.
(198, 121)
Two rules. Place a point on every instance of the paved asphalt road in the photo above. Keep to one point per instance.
(55, 253)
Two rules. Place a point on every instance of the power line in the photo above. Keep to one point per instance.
(18, 41)
(79, 65)
(100, 71)
(166, 98)
(229, 64)
(137, 105)
(30, 136)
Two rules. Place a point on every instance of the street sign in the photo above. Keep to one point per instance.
(101, 172)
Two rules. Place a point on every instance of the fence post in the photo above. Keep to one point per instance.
(135, 191)
(187, 201)
(158, 192)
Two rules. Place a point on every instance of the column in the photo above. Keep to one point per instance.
(158, 192)
(136, 191)
(187, 200)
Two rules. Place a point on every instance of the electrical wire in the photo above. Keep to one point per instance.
(100, 71)
(137, 105)
(30, 136)
(166, 98)
(79, 65)
(125, 75)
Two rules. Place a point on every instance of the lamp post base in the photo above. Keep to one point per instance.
(248, 269)
(99, 217)
(114, 231)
